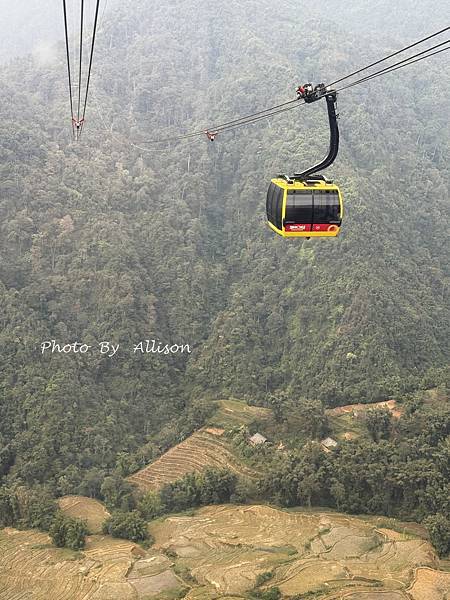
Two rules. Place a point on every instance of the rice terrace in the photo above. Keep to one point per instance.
(207, 447)
(224, 360)
(222, 552)
(88, 509)
(202, 449)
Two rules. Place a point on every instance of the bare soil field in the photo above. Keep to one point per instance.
(205, 448)
(32, 569)
(347, 422)
(391, 405)
(335, 556)
(92, 511)
(430, 584)
(219, 552)
(232, 413)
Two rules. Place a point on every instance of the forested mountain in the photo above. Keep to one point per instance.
(116, 239)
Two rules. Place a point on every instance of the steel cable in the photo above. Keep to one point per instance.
(396, 66)
(68, 64)
(90, 63)
(429, 37)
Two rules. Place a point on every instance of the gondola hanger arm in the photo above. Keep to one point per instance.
(312, 95)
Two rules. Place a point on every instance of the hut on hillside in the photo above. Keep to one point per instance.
(257, 439)
(329, 444)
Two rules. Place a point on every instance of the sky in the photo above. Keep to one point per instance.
(34, 25)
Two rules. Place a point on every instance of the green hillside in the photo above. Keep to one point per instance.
(116, 239)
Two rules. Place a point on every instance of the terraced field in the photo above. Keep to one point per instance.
(232, 413)
(390, 405)
(219, 552)
(92, 511)
(331, 555)
(430, 584)
(32, 569)
(347, 422)
(205, 448)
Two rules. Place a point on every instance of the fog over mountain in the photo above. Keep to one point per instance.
(34, 25)
(135, 237)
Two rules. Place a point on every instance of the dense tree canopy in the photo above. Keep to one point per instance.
(114, 240)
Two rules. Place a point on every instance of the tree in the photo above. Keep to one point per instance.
(312, 416)
(439, 527)
(298, 413)
(272, 593)
(58, 530)
(91, 483)
(276, 401)
(379, 423)
(150, 506)
(129, 526)
(68, 532)
(337, 490)
(216, 486)
(181, 494)
(76, 534)
(117, 493)
(9, 508)
(37, 507)
(212, 486)
(307, 488)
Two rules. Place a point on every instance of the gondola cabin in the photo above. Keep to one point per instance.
(310, 208)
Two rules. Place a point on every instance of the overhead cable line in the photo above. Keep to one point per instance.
(104, 10)
(233, 124)
(230, 124)
(394, 67)
(429, 37)
(223, 125)
(254, 117)
(399, 65)
(81, 62)
(180, 138)
(261, 117)
(90, 62)
(68, 64)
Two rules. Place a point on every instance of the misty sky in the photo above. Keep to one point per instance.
(34, 25)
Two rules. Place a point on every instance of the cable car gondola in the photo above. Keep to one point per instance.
(307, 204)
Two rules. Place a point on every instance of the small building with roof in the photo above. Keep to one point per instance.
(257, 439)
(329, 444)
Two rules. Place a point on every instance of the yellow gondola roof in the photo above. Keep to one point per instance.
(307, 184)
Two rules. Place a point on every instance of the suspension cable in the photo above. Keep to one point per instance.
(90, 63)
(68, 64)
(390, 56)
(246, 119)
(399, 65)
(81, 62)
(254, 117)
(261, 117)
(135, 145)
(222, 126)
(262, 114)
